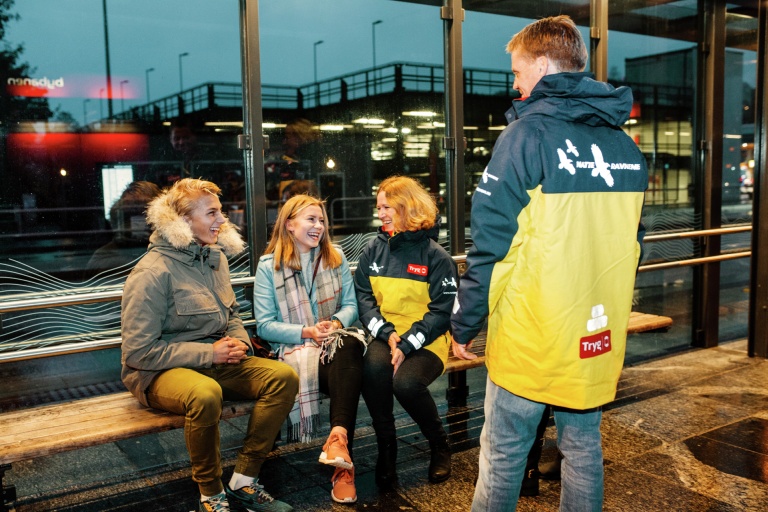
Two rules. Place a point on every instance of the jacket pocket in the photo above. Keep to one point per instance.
(197, 302)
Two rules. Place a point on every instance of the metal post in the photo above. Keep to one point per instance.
(85, 112)
(710, 94)
(106, 51)
(453, 143)
(181, 75)
(122, 94)
(146, 73)
(758, 290)
(598, 39)
(373, 39)
(314, 50)
(253, 154)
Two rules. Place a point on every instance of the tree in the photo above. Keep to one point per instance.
(16, 108)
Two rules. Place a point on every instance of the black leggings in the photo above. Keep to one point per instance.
(341, 379)
(409, 386)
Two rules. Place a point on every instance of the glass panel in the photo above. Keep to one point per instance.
(342, 117)
(91, 131)
(652, 49)
(738, 166)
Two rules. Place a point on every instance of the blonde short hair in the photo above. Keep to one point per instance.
(182, 196)
(415, 208)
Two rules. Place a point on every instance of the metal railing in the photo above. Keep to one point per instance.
(68, 345)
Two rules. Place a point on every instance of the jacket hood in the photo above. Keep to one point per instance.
(576, 97)
(171, 227)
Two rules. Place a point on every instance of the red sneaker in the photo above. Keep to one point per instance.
(335, 452)
(344, 486)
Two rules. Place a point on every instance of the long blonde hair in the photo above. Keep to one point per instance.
(416, 209)
(283, 243)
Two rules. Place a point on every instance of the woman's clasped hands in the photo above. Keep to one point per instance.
(229, 350)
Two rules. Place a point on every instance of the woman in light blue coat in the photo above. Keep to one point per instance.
(305, 303)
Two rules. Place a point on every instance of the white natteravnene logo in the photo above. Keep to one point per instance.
(376, 268)
(598, 166)
(571, 148)
(601, 168)
(565, 162)
(599, 319)
(449, 282)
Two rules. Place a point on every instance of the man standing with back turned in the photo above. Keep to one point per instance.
(557, 240)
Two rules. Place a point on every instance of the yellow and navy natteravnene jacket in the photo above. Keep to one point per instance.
(557, 240)
(407, 284)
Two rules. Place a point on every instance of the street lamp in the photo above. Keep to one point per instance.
(314, 48)
(146, 73)
(373, 39)
(85, 111)
(181, 78)
(122, 94)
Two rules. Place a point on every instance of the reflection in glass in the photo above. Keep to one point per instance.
(85, 146)
(343, 131)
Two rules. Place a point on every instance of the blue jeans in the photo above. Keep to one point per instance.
(508, 434)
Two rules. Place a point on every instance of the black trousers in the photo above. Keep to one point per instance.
(341, 379)
(408, 385)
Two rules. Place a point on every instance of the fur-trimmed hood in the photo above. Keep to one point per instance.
(170, 226)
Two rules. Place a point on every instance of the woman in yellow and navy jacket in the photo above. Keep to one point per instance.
(406, 285)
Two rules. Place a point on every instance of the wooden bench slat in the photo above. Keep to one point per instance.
(56, 428)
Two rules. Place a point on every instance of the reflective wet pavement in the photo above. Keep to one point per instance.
(687, 432)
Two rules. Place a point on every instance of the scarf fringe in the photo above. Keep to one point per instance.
(336, 339)
(305, 431)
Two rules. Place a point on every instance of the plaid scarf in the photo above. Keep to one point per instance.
(296, 308)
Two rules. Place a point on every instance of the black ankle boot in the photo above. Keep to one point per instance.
(530, 485)
(386, 474)
(551, 470)
(440, 461)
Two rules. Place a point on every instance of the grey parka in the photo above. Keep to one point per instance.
(177, 301)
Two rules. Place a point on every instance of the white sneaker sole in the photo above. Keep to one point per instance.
(338, 462)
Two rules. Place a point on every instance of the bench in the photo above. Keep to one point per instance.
(49, 429)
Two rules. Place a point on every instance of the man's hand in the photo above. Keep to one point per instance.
(229, 350)
(461, 351)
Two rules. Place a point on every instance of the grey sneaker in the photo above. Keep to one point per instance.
(254, 498)
(216, 503)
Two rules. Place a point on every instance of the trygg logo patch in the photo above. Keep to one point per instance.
(591, 346)
(419, 270)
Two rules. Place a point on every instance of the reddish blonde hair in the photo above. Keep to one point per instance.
(416, 209)
(283, 244)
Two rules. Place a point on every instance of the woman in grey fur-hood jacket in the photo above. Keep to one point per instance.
(178, 299)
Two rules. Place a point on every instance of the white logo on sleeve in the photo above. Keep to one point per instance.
(376, 268)
(374, 325)
(417, 340)
(449, 282)
(599, 319)
(484, 179)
